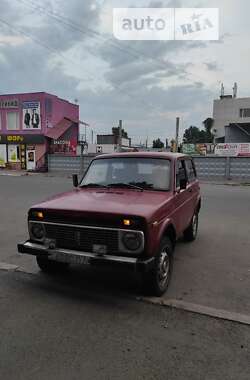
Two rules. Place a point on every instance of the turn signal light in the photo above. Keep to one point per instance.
(39, 215)
(126, 222)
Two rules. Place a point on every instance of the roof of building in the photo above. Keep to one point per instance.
(59, 129)
(38, 93)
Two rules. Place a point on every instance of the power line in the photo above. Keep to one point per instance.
(58, 53)
(95, 34)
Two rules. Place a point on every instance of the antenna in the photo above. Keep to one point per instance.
(235, 90)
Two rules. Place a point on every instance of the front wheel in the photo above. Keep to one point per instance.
(157, 280)
(50, 266)
(191, 232)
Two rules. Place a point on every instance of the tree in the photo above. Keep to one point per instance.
(191, 135)
(158, 144)
(208, 124)
(115, 132)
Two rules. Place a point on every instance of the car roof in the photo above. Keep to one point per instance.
(166, 155)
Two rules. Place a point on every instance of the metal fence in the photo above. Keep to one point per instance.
(208, 168)
(223, 168)
(69, 164)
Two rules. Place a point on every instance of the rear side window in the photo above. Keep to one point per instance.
(190, 169)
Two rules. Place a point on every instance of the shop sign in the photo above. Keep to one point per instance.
(61, 142)
(22, 139)
(9, 103)
(23, 156)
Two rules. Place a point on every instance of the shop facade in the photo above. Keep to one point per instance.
(30, 124)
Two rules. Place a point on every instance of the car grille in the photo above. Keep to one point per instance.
(82, 238)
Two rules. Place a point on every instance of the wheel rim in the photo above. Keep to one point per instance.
(195, 225)
(163, 269)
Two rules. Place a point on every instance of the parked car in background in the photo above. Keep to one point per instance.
(129, 209)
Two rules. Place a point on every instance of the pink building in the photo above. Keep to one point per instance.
(33, 125)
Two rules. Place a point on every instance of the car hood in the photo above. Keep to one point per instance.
(118, 202)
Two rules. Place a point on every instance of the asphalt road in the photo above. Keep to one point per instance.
(212, 271)
(55, 329)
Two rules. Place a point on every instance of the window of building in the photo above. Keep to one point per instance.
(3, 155)
(244, 112)
(14, 153)
(13, 121)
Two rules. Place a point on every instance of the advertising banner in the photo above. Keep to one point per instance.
(244, 150)
(31, 115)
(233, 150)
(188, 149)
(202, 149)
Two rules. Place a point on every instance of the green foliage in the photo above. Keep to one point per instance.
(115, 132)
(194, 135)
(158, 144)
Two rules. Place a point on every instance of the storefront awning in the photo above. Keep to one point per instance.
(59, 129)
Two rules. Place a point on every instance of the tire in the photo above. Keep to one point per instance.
(191, 232)
(50, 266)
(157, 280)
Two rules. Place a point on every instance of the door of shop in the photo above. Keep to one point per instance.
(31, 158)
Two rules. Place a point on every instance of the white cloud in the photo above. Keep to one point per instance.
(146, 84)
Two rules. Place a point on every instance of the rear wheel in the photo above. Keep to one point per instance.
(191, 232)
(157, 280)
(50, 266)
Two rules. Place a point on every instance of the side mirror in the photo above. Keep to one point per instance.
(183, 183)
(75, 180)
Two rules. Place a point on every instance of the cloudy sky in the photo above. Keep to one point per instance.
(67, 48)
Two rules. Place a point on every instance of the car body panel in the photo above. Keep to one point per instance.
(159, 210)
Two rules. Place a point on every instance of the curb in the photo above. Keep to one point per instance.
(199, 309)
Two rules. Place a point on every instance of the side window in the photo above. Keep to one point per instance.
(190, 170)
(180, 172)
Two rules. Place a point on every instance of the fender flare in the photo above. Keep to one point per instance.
(168, 228)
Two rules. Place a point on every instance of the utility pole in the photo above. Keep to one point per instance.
(177, 134)
(120, 136)
(92, 136)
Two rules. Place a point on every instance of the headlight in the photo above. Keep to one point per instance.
(132, 241)
(37, 231)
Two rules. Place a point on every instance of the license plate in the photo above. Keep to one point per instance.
(99, 249)
(70, 259)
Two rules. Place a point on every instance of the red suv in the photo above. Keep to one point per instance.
(128, 209)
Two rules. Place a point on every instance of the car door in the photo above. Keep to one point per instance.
(192, 186)
(183, 205)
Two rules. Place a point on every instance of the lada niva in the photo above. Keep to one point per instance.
(129, 209)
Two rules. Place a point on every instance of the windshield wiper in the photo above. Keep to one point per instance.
(129, 185)
(95, 185)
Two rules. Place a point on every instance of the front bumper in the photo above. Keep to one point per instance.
(138, 265)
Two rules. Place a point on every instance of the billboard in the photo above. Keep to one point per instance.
(233, 149)
(202, 149)
(31, 115)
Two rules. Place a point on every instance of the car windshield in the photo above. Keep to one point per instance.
(135, 173)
